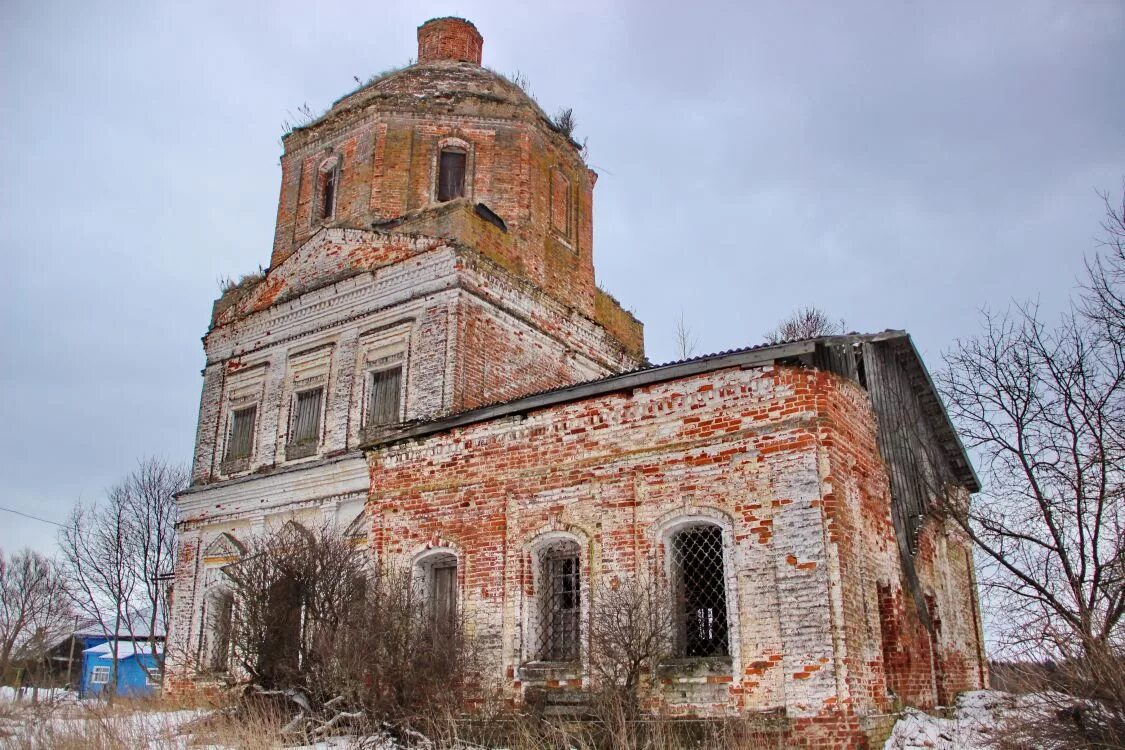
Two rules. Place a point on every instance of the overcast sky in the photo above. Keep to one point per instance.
(899, 164)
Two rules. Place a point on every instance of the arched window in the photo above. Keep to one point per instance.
(699, 589)
(327, 186)
(555, 636)
(451, 173)
(435, 576)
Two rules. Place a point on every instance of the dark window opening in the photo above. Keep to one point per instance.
(241, 440)
(279, 658)
(560, 604)
(701, 594)
(384, 398)
(451, 175)
(329, 182)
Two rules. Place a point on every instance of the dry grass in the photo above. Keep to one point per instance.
(151, 724)
(158, 725)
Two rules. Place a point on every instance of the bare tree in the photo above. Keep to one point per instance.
(687, 342)
(805, 323)
(34, 607)
(1043, 407)
(119, 556)
(1104, 299)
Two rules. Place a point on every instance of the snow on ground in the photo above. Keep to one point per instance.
(27, 695)
(145, 730)
(978, 717)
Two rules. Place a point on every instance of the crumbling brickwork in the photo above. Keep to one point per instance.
(782, 459)
(434, 232)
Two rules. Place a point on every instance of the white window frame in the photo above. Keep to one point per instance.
(99, 674)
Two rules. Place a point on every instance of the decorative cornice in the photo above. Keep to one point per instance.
(345, 476)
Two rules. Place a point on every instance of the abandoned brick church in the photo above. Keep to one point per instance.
(429, 365)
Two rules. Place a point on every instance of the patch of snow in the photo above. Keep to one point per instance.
(26, 694)
(977, 716)
(125, 649)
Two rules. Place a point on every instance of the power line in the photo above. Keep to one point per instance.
(28, 515)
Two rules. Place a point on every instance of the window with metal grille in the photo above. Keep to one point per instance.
(556, 636)
(306, 421)
(451, 174)
(699, 583)
(384, 397)
(241, 440)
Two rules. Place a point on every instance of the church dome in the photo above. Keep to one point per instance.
(446, 84)
(448, 79)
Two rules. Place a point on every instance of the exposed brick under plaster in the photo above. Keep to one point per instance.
(825, 634)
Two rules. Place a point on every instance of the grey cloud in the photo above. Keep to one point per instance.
(897, 164)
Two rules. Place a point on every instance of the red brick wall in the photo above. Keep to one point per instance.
(786, 456)
(389, 145)
(449, 39)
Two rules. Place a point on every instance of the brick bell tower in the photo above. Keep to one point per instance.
(440, 213)
(396, 152)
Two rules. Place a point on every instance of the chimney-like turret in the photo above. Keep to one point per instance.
(449, 39)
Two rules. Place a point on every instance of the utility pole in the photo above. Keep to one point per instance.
(70, 658)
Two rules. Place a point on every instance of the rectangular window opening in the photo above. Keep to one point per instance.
(451, 175)
(306, 419)
(241, 440)
(384, 400)
(222, 625)
(99, 676)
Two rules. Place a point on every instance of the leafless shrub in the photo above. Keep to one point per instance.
(318, 628)
(521, 81)
(631, 625)
(246, 281)
(564, 121)
(1078, 703)
(806, 323)
(301, 118)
